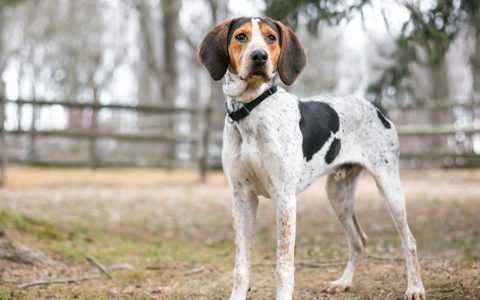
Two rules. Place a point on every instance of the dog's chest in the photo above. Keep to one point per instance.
(269, 145)
(258, 155)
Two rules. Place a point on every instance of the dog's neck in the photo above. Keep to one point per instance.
(240, 92)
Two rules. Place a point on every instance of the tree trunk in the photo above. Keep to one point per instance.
(3, 144)
(476, 73)
(171, 30)
(93, 151)
(475, 99)
(151, 74)
(439, 92)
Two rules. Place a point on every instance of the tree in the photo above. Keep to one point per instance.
(423, 40)
(330, 11)
(4, 4)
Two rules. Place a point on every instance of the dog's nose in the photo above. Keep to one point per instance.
(259, 57)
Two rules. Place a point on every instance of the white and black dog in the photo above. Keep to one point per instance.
(275, 144)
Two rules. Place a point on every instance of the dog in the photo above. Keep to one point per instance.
(276, 144)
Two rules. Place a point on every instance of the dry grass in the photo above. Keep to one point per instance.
(183, 229)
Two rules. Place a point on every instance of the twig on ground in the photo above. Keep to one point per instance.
(432, 258)
(320, 265)
(57, 281)
(106, 271)
(118, 267)
(156, 267)
(339, 262)
(397, 259)
(445, 290)
(383, 258)
(97, 265)
(195, 271)
(322, 261)
(311, 264)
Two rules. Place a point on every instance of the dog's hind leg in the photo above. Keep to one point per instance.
(341, 192)
(389, 185)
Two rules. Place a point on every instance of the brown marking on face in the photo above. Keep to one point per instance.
(292, 58)
(221, 50)
(272, 46)
(237, 48)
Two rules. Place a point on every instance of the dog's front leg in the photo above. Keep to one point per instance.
(244, 212)
(286, 207)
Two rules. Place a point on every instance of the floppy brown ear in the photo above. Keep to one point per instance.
(292, 58)
(213, 50)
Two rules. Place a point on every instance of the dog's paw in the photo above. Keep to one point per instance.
(337, 286)
(415, 293)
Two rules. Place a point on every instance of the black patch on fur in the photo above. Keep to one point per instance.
(318, 121)
(384, 120)
(333, 151)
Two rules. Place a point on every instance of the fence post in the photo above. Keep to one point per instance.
(33, 132)
(3, 143)
(205, 142)
(94, 160)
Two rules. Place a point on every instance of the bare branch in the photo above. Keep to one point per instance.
(119, 267)
(94, 262)
(195, 271)
(57, 281)
(97, 265)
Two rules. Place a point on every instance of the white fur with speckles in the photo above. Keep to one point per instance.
(262, 155)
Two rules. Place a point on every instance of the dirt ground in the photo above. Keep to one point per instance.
(177, 236)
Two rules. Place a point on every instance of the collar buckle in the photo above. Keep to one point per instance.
(244, 111)
(238, 114)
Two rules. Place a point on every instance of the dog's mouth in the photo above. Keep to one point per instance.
(257, 74)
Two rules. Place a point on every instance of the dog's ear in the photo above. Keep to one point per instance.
(292, 58)
(213, 50)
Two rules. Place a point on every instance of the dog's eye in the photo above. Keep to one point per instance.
(241, 37)
(271, 38)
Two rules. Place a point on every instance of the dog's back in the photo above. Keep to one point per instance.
(356, 133)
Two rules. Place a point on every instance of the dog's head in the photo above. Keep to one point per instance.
(254, 49)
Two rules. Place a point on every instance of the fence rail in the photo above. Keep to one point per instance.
(156, 137)
(159, 109)
(441, 104)
(434, 130)
(202, 138)
(93, 134)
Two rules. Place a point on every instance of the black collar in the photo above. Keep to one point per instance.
(245, 110)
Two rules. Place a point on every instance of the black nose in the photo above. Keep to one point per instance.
(259, 57)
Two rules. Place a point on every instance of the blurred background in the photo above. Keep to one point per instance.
(116, 82)
(107, 122)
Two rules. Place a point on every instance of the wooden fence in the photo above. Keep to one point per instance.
(202, 138)
(92, 134)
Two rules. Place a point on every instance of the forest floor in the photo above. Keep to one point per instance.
(176, 237)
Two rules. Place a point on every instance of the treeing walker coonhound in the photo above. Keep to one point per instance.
(276, 144)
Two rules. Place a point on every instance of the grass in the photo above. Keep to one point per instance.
(166, 220)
